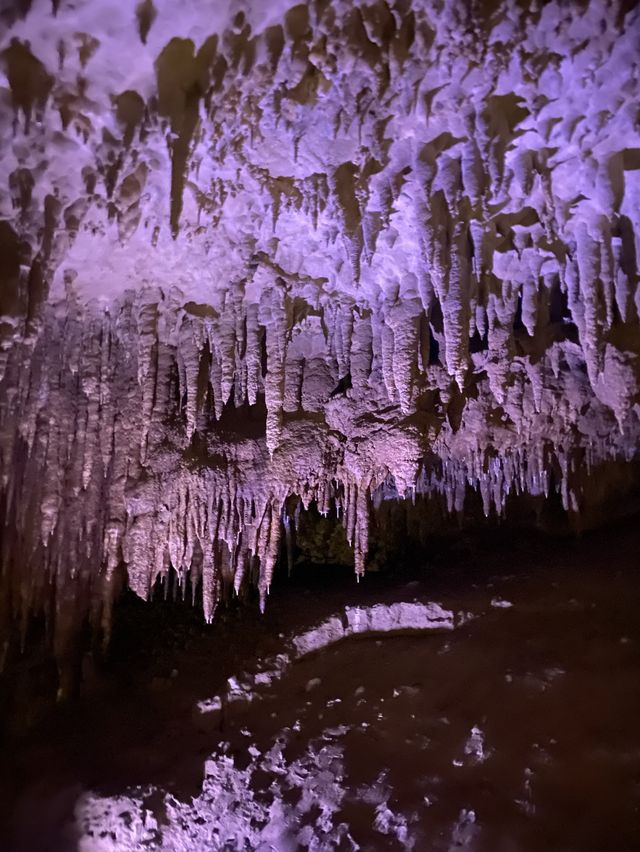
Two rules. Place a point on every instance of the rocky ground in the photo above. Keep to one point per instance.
(512, 727)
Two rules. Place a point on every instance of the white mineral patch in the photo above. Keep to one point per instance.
(210, 705)
(319, 637)
(475, 747)
(382, 618)
(500, 603)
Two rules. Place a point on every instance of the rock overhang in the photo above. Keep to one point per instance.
(403, 234)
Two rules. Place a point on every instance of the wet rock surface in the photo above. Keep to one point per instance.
(516, 729)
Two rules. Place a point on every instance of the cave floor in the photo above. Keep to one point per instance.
(517, 730)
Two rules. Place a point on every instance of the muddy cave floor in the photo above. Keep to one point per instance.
(518, 730)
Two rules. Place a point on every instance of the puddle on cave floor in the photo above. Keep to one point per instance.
(518, 730)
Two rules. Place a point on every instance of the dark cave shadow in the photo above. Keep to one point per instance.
(147, 734)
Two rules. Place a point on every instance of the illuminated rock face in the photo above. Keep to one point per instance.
(253, 254)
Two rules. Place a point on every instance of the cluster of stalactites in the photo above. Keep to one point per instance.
(434, 287)
(117, 442)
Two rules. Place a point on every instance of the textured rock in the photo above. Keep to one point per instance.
(377, 619)
(259, 255)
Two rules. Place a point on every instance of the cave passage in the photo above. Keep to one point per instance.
(319, 425)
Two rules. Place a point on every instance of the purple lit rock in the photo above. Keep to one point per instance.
(254, 255)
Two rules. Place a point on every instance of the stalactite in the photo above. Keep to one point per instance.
(444, 298)
(273, 317)
(587, 255)
(403, 319)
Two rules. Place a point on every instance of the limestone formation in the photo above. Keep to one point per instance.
(256, 256)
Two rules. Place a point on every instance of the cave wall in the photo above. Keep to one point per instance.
(257, 256)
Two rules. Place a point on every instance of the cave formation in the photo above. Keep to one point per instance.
(307, 283)
(259, 260)
(313, 254)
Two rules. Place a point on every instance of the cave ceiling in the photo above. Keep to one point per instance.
(255, 255)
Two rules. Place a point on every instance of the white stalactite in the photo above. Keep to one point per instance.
(417, 255)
